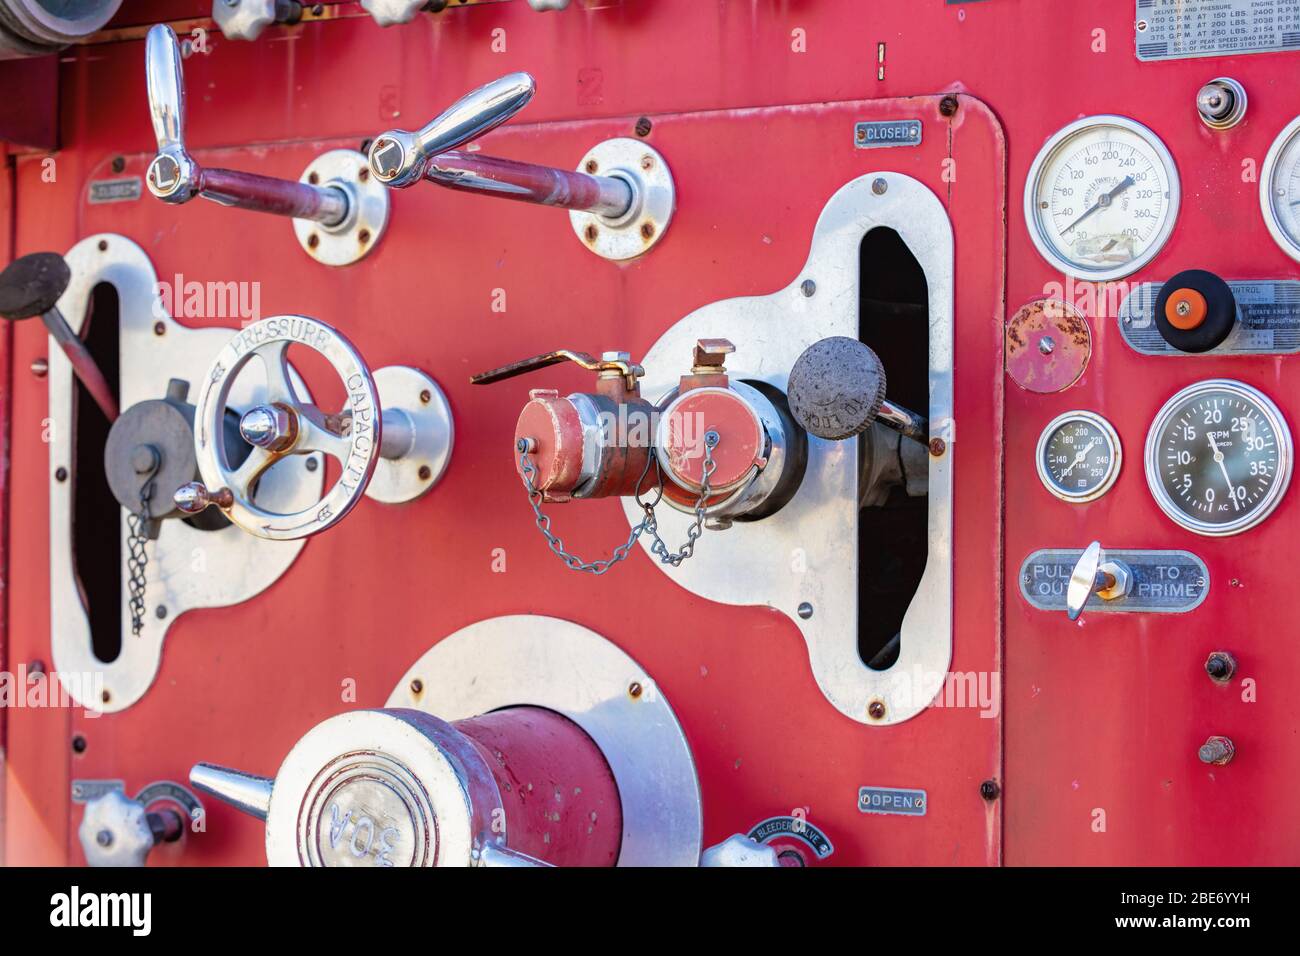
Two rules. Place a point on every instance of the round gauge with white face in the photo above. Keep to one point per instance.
(1078, 456)
(1218, 457)
(1279, 189)
(1102, 198)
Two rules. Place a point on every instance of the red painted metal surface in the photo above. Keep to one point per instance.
(1095, 748)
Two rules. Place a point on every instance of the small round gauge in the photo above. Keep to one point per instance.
(1102, 198)
(1078, 456)
(1279, 189)
(1218, 457)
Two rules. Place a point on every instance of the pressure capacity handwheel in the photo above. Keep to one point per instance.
(283, 426)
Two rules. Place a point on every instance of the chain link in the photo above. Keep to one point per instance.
(648, 524)
(137, 558)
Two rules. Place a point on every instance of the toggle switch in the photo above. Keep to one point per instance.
(621, 198)
(1195, 311)
(1221, 103)
(32, 285)
(392, 439)
(1093, 574)
(246, 19)
(402, 788)
(339, 212)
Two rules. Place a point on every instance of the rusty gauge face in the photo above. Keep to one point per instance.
(1218, 457)
(1078, 456)
(1102, 198)
(1279, 190)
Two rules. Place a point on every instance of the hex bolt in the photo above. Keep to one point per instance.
(1217, 751)
(40, 367)
(948, 105)
(1220, 665)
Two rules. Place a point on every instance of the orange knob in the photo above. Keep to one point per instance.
(1186, 309)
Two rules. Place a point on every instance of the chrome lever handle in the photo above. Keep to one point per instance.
(398, 157)
(1094, 574)
(175, 177)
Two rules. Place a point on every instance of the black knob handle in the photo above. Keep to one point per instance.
(1195, 311)
(836, 388)
(32, 285)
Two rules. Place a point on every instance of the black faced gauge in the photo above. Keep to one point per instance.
(1078, 456)
(1218, 457)
(1101, 198)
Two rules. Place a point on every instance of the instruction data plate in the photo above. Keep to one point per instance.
(1268, 320)
(1179, 29)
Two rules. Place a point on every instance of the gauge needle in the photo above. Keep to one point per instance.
(1080, 456)
(1102, 201)
(1218, 457)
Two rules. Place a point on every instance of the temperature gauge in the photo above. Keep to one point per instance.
(1102, 198)
(1218, 457)
(1078, 456)
(1279, 190)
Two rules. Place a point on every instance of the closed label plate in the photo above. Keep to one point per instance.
(1178, 29)
(1163, 581)
(887, 133)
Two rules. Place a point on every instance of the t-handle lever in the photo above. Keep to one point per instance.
(32, 286)
(339, 213)
(621, 198)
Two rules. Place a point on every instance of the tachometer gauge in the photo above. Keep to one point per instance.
(1218, 457)
(1078, 456)
(1102, 198)
(1279, 190)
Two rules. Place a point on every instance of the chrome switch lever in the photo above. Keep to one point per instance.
(621, 198)
(1093, 574)
(339, 212)
(392, 439)
(246, 19)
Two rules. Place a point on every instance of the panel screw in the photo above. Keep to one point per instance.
(808, 288)
(159, 328)
(948, 105)
(60, 474)
(1217, 750)
(989, 790)
(647, 230)
(104, 838)
(876, 710)
(634, 689)
(1046, 345)
(592, 166)
(426, 397)
(40, 367)
(805, 610)
(425, 472)
(417, 687)
(312, 464)
(1221, 665)
(160, 612)
(79, 744)
(103, 245)
(643, 126)
(592, 233)
(119, 164)
(937, 447)
(880, 187)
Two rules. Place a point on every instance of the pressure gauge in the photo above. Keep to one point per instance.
(1101, 198)
(1218, 457)
(1279, 189)
(1078, 456)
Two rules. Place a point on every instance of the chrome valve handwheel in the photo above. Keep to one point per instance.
(285, 425)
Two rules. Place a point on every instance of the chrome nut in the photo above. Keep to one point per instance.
(1123, 580)
(273, 427)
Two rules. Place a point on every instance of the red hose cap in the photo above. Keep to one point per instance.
(682, 428)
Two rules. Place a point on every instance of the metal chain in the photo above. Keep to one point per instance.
(648, 525)
(137, 558)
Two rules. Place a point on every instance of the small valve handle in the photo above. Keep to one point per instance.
(619, 363)
(836, 391)
(118, 831)
(1094, 574)
(398, 157)
(32, 285)
(389, 12)
(284, 425)
(246, 19)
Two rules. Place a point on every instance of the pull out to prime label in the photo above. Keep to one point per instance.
(1268, 320)
(1172, 582)
(1180, 29)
